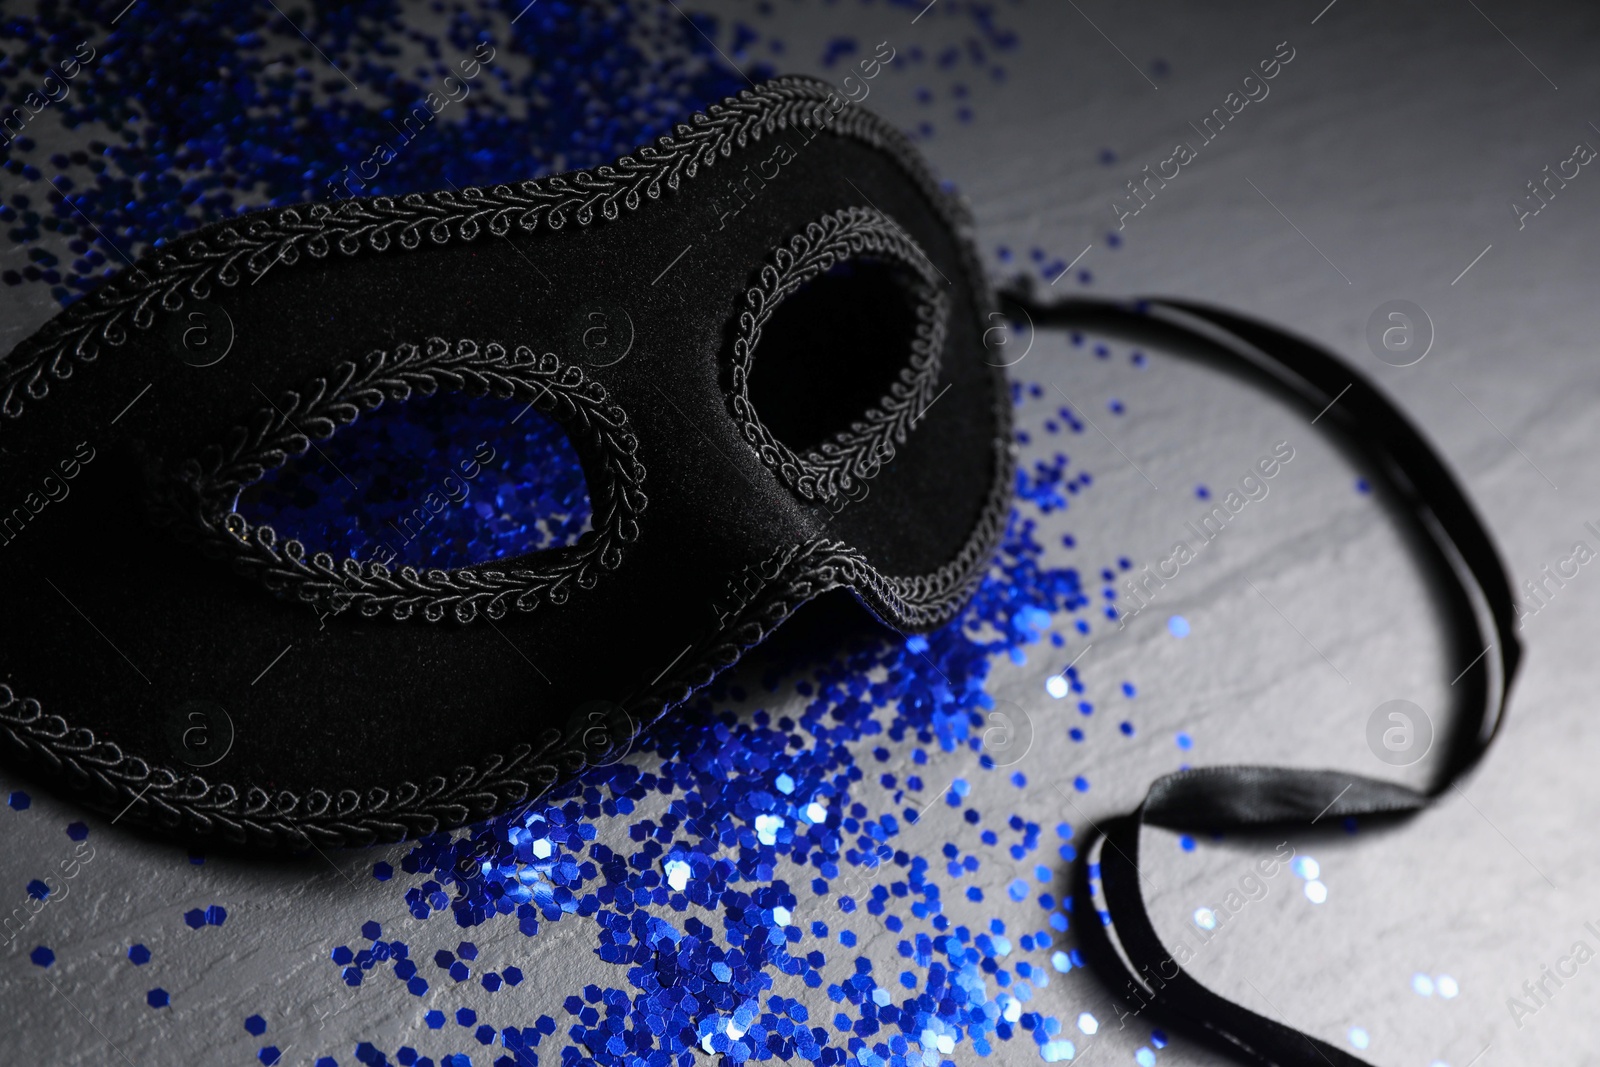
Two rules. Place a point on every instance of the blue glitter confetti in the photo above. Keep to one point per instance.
(179, 144)
(748, 796)
(433, 492)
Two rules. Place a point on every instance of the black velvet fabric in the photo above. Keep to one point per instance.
(367, 728)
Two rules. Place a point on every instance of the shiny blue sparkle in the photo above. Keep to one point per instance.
(444, 481)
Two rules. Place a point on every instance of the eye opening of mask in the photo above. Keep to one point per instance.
(202, 498)
(832, 349)
(841, 339)
(445, 481)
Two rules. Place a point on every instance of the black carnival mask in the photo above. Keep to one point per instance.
(172, 655)
(762, 341)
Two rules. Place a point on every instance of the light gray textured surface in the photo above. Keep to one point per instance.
(1394, 141)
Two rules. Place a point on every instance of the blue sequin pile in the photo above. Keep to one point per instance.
(440, 481)
(205, 112)
(774, 857)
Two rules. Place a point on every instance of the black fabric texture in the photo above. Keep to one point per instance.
(134, 596)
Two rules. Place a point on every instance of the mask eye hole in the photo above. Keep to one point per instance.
(445, 481)
(832, 349)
